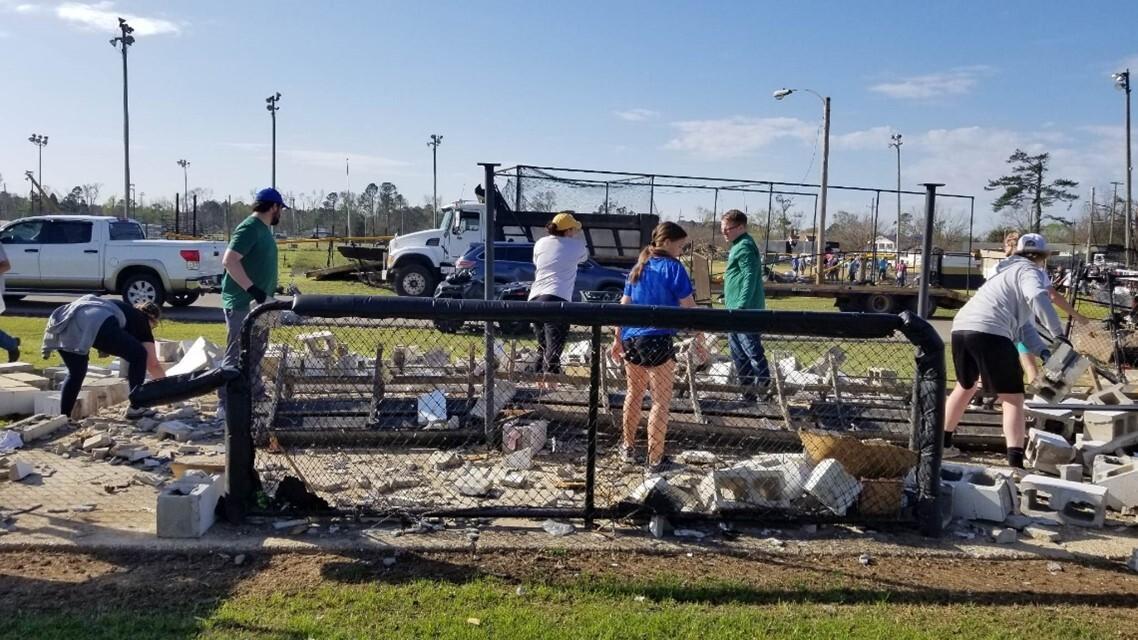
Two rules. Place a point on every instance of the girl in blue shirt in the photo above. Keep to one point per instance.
(658, 279)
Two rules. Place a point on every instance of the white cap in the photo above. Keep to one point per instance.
(1032, 243)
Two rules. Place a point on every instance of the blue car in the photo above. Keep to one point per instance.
(513, 262)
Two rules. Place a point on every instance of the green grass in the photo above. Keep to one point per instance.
(586, 608)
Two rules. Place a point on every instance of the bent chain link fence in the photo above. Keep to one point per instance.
(378, 406)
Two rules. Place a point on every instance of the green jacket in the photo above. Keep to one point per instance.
(743, 278)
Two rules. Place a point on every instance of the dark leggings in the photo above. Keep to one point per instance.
(111, 339)
(550, 339)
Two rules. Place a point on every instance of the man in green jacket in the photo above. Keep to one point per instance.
(743, 289)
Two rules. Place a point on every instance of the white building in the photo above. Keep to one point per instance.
(885, 245)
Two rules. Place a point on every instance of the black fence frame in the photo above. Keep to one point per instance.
(927, 404)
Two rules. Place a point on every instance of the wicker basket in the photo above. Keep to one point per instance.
(881, 497)
(869, 459)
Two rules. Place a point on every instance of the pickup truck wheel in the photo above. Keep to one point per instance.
(143, 287)
(414, 280)
(183, 299)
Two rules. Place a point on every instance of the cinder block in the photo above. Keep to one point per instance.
(109, 391)
(15, 367)
(1071, 472)
(38, 426)
(1111, 395)
(1122, 486)
(18, 400)
(1108, 425)
(167, 350)
(1071, 503)
(1060, 374)
(767, 481)
(1046, 451)
(48, 403)
(1104, 464)
(833, 486)
(186, 508)
(978, 493)
(1061, 421)
(1119, 446)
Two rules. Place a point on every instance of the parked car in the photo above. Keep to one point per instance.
(513, 262)
(101, 254)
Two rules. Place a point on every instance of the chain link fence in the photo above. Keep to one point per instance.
(406, 406)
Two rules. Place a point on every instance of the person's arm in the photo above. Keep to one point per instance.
(1033, 286)
(152, 366)
(617, 349)
(5, 266)
(231, 260)
(1059, 301)
(751, 270)
(1030, 337)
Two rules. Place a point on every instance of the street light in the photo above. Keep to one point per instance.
(434, 143)
(1122, 82)
(123, 42)
(896, 144)
(821, 231)
(185, 183)
(41, 142)
(273, 109)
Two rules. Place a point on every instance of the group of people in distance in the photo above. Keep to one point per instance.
(649, 353)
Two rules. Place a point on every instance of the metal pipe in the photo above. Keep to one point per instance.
(927, 247)
(488, 234)
(591, 429)
(714, 217)
(1129, 172)
(821, 231)
(876, 210)
(770, 205)
(971, 214)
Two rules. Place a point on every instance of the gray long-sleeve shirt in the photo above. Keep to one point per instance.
(1008, 304)
(73, 326)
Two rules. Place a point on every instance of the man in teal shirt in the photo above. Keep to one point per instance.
(250, 264)
(743, 289)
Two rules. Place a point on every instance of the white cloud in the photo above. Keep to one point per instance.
(637, 114)
(101, 16)
(952, 82)
(736, 136)
(866, 139)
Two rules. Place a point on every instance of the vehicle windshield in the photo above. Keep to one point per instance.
(448, 216)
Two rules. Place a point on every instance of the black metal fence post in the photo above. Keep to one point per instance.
(927, 247)
(596, 355)
(927, 437)
(488, 234)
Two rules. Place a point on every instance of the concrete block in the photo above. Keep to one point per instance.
(1060, 374)
(49, 403)
(443, 460)
(660, 496)
(1046, 451)
(432, 407)
(1070, 503)
(19, 400)
(109, 391)
(167, 350)
(978, 493)
(38, 426)
(504, 391)
(524, 433)
(1102, 465)
(186, 508)
(27, 379)
(179, 431)
(1119, 446)
(1113, 394)
(1087, 451)
(1071, 472)
(201, 355)
(18, 470)
(1004, 536)
(1041, 533)
(98, 442)
(725, 489)
(15, 367)
(833, 486)
(1107, 425)
(515, 480)
(1061, 421)
(1122, 486)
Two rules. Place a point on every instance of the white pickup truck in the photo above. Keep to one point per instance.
(55, 254)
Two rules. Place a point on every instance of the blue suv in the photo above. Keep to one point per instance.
(513, 262)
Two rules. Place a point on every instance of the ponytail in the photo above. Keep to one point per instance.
(664, 232)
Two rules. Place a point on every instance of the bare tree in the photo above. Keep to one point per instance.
(91, 193)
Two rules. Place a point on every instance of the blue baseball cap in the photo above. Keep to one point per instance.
(271, 195)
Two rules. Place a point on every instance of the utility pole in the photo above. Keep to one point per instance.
(185, 180)
(40, 142)
(434, 143)
(123, 42)
(896, 144)
(273, 109)
(821, 230)
(1113, 205)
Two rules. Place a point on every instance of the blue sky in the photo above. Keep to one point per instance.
(669, 87)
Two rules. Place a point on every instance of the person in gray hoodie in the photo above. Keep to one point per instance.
(984, 333)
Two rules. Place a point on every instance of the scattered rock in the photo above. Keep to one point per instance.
(98, 442)
(697, 457)
(18, 470)
(280, 525)
(83, 508)
(865, 560)
(1043, 534)
(473, 487)
(558, 529)
(178, 431)
(1019, 521)
(1004, 536)
(149, 479)
(515, 480)
(443, 460)
(239, 559)
(1054, 567)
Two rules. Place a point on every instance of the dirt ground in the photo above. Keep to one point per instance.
(40, 581)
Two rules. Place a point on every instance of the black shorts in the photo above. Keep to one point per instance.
(992, 359)
(649, 351)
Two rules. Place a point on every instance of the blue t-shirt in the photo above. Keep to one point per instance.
(663, 283)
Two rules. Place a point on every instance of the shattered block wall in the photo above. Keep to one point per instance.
(367, 405)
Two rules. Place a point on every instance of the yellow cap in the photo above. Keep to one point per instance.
(565, 221)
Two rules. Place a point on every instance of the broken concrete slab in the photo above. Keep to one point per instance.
(833, 486)
(201, 355)
(18, 470)
(443, 460)
(186, 508)
(97, 442)
(175, 429)
(1004, 536)
(1071, 472)
(38, 426)
(474, 487)
(1122, 486)
(1105, 463)
(25, 379)
(16, 367)
(1042, 533)
(504, 392)
(515, 480)
(1046, 451)
(978, 493)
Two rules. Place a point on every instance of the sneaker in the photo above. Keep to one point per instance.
(627, 454)
(950, 452)
(14, 354)
(663, 466)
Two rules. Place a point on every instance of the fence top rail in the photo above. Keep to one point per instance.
(822, 324)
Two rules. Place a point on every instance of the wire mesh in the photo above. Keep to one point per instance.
(387, 414)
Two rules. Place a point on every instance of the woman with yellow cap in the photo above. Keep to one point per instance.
(555, 260)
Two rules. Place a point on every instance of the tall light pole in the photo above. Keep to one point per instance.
(40, 142)
(273, 109)
(1122, 81)
(123, 42)
(896, 144)
(1113, 206)
(821, 231)
(434, 143)
(185, 181)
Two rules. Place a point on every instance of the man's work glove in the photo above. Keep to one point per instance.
(258, 295)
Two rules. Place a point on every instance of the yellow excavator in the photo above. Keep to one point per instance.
(47, 203)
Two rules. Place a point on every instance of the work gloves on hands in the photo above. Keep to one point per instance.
(258, 295)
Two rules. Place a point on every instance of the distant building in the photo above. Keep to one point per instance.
(884, 245)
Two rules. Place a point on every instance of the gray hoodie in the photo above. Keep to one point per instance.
(1008, 304)
(73, 326)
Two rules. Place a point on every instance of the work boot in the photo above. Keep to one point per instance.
(14, 353)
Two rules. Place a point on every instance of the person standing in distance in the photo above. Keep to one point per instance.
(7, 342)
(555, 261)
(250, 264)
(743, 289)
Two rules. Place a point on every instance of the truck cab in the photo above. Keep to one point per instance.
(417, 261)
